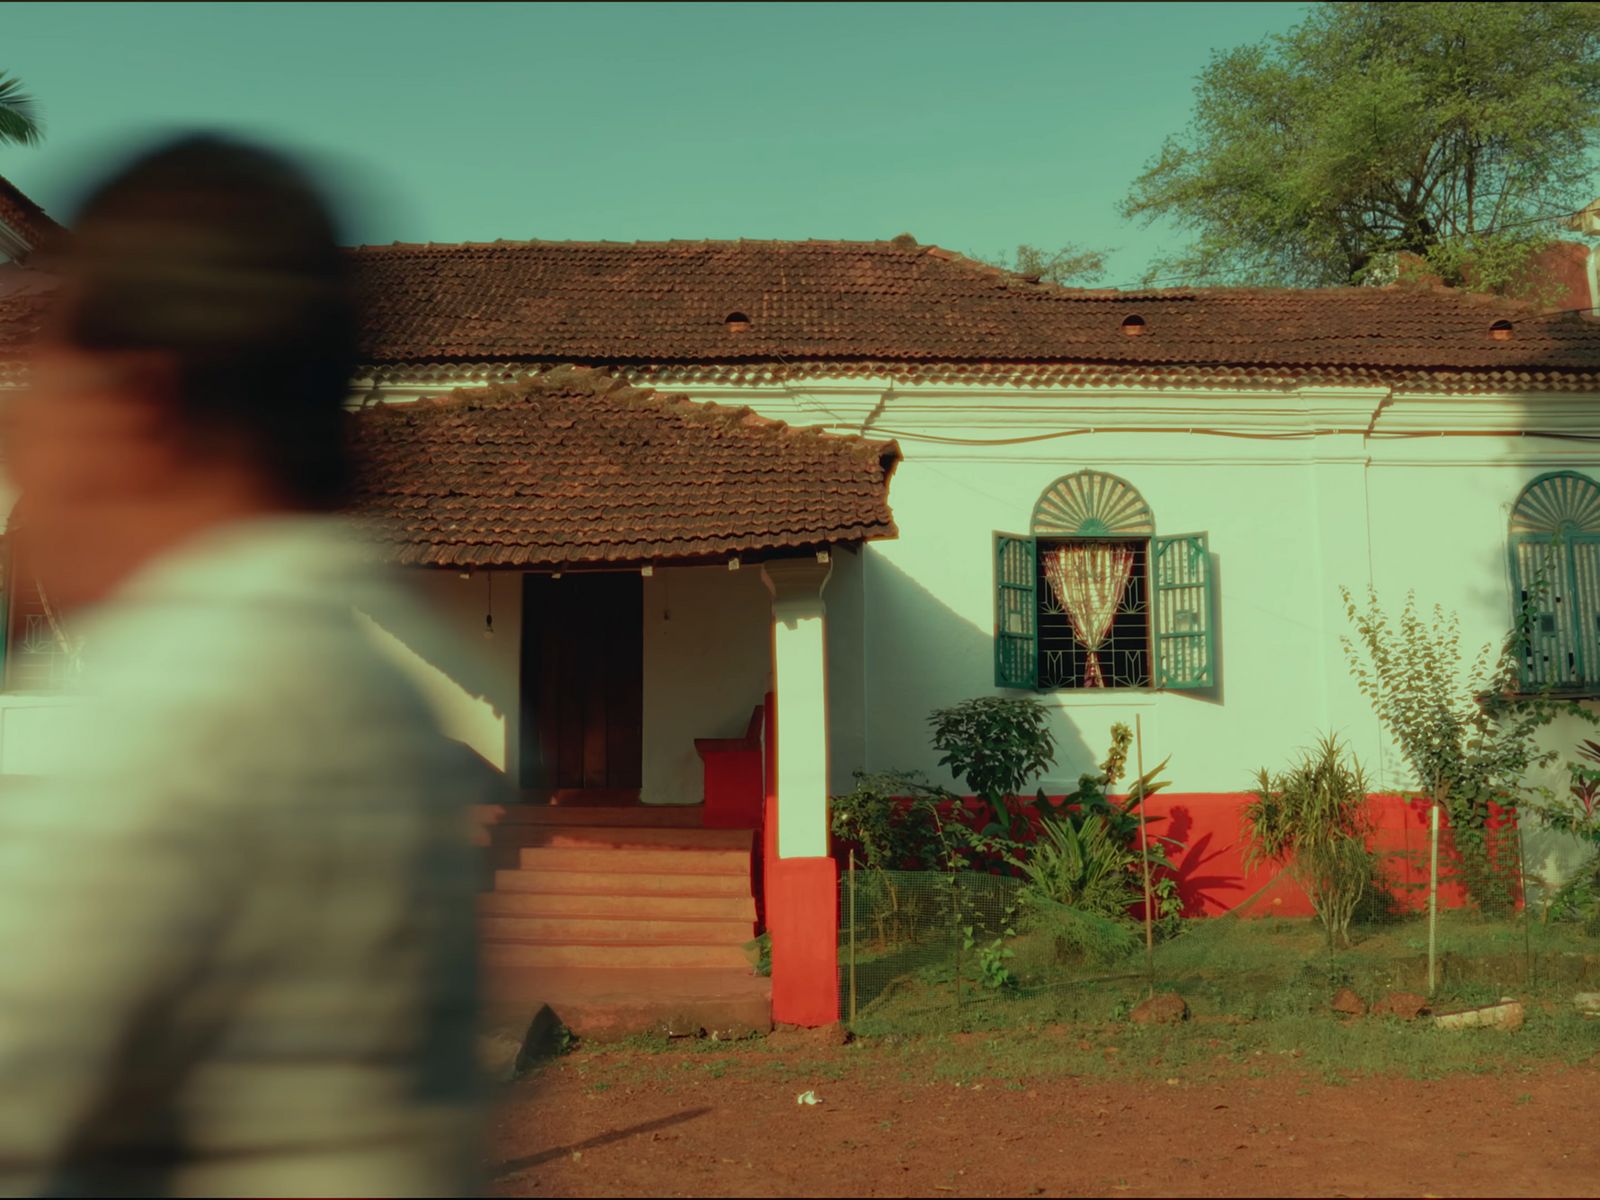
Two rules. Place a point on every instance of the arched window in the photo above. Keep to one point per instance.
(1555, 579)
(1091, 598)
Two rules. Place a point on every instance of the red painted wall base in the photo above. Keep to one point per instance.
(803, 919)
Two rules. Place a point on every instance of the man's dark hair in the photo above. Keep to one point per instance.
(225, 257)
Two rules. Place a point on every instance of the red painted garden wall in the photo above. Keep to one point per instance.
(1209, 861)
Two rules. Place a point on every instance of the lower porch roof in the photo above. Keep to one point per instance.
(572, 469)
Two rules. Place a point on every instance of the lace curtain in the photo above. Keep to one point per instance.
(1089, 581)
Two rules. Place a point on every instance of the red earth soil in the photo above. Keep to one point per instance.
(689, 1134)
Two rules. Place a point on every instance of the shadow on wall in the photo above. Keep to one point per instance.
(454, 674)
(922, 655)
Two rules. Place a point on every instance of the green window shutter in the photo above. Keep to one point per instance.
(1584, 563)
(1183, 612)
(1016, 611)
(1540, 575)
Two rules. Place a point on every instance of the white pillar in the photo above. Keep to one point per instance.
(800, 682)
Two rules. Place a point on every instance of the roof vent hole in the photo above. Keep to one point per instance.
(1133, 325)
(736, 322)
(1500, 331)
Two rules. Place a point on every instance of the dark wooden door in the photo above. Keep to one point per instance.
(582, 685)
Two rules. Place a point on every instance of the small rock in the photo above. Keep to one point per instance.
(1408, 1006)
(1345, 1000)
(1588, 1003)
(1164, 1008)
(1507, 1015)
(546, 1037)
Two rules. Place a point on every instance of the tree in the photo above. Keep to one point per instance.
(1070, 264)
(1452, 132)
(19, 113)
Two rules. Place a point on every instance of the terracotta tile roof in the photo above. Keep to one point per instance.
(846, 302)
(1149, 377)
(26, 217)
(573, 467)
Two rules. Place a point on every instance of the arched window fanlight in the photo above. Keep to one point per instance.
(1092, 504)
(1557, 504)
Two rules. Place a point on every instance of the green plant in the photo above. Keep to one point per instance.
(1464, 729)
(1080, 864)
(996, 745)
(992, 955)
(760, 951)
(1314, 819)
(893, 817)
(1077, 881)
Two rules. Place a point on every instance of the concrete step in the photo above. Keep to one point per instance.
(636, 930)
(610, 1003)
(508, 953)
(634, 816)
(616, 837)
(645, 862)
(600, 904)
(623, 883)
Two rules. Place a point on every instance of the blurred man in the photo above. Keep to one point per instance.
(236, 938)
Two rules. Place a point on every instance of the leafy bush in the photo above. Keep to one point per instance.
(1079, 885)
(1314, 819)
(996, 745)
(1467, 736)
(1079, 864)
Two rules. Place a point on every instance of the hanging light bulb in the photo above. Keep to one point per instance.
(488, 611)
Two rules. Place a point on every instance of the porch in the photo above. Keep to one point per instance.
(644, 579)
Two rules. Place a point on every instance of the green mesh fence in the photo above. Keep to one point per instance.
(923, 950)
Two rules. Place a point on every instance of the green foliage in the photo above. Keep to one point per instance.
(760, 951)
(993, 954)
(1079, 884)
(1314, 819)
(1447, 131)
(1466, 735)
(1079, 864)
(1578, 812)
(1068, 265)
(19, 113)
(996, 745)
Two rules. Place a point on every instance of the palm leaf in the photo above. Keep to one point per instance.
(20, 122)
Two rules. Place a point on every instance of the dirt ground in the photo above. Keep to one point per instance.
(691, 1123)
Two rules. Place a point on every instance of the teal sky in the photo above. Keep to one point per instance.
(973, 126)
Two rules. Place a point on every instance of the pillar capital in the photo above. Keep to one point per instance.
(796, 586)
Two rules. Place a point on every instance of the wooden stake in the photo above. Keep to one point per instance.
(1433, 893)
(1144, 854)
(852, 937)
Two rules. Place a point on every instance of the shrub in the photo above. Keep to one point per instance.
(996, 745)
(1314, 819)
(1466, 734)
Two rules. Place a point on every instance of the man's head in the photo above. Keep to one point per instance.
(193, 370)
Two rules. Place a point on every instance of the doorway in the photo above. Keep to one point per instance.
(582, 687)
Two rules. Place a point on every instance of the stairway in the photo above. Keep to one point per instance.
(623, 919)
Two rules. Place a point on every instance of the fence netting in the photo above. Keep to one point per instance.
(929, 950)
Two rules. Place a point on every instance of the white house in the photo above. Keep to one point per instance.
(1134, 504)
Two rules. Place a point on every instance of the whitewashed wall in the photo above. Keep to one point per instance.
(1301, 491)
(707, 665)
(472, 682)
